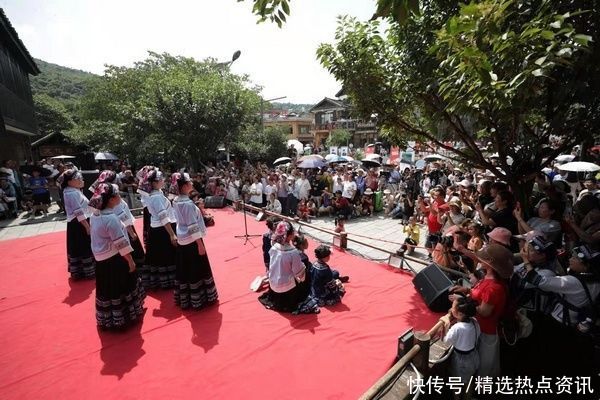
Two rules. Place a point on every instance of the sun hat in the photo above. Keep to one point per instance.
(387, 191)
(455, 201)
(368, 191)
(587, 255)
(498, 257)
(501, 235)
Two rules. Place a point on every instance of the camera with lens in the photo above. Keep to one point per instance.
(447, 241)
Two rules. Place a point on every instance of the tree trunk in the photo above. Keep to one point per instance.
(521, 190)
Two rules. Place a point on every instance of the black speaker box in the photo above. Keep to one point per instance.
(214, 202)
(433, 285)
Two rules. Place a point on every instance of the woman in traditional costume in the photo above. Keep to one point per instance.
(194, 284)
(119, 293)
(79, 253)
(158, 270)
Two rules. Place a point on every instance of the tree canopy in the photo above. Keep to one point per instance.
(521, 75)
(266, 145)
(338, 137)
(174, 107)
(51, 114)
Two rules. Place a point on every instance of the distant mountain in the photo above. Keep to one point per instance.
(291, 107)
(61, 83)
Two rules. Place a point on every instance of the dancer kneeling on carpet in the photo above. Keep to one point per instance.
(326, 288)
(159, 268)
(79, 251)
(286, 270)
(119, 294)
(194, 283)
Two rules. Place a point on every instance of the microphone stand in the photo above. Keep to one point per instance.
(246, 236)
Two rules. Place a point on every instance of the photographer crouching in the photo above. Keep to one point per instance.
(445, 252)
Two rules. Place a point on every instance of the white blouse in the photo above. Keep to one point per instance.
(161, 211)
(123, 212)
(285, 267)
(108, 235)
(76, 204)
(190, 224)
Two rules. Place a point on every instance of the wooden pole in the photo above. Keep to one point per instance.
(421, 360)
(391, 373)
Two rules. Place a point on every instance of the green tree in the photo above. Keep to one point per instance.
(262, 146)
(521, 75)
(338, 137)
(52, 116)
(175, 107)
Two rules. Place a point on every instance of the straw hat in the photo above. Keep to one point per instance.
(498, 257)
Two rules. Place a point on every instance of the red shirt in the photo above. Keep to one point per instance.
(432, 218)
(492, 292)
(342, 202)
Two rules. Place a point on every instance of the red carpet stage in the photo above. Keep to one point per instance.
(50, 348)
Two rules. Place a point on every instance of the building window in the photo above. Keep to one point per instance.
(304, 129)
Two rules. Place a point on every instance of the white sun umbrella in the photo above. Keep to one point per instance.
(434, 157)
(330, 157)
(580, 166)
(350, 159)
(375, 157)
(297, 145)
(565, 158)
(63, 157)
(104, 156)
(281, 160)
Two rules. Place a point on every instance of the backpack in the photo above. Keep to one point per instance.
(590, 310)
(514, 323)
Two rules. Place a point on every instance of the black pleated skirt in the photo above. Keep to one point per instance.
(119, 294)
(284, 302)
(79, 251)
(194, 284)
(146, 225)
(158, 270)
(138, 251)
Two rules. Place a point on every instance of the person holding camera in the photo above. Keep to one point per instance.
(490, 293)
(445, 252)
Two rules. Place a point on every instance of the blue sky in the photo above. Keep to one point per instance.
(86, 34)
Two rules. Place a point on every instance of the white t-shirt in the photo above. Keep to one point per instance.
(463, 335)
(349, 189)
(256, 192)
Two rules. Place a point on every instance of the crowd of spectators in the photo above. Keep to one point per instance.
(537, 257)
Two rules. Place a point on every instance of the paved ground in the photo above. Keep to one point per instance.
(26, 226)
(378, 231)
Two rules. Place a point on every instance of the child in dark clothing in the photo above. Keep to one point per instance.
(326, 284)
(266, 239)
(301, 244)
